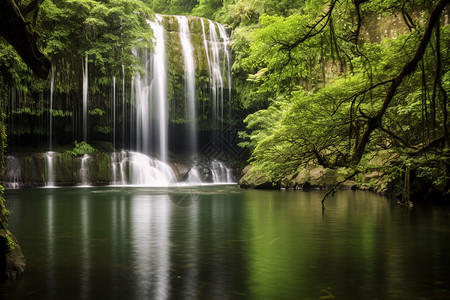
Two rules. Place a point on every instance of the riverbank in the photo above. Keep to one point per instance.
(315, 177)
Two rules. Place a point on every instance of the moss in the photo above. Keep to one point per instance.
(103, 162)
(10, 244)
(64, 167)
(4, 212)
(103, 146)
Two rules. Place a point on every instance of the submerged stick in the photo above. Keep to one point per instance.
(335, 186)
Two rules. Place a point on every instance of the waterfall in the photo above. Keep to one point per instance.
(216, 80)
(135, 168)
(123, 105)
(114, 158)
(226, 42)
(114, 110)
(173, 102)
(85, 97)
(149, 95)
(12, 175)
(190, 92)
(193, 177)
(117, 170)
(84, 170)
(52, 81)
(50, 169)
(159, 86)
(205, 44)
(220, 173)
(140, 98)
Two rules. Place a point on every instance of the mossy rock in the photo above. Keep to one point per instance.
(254, 180)
(12, 260)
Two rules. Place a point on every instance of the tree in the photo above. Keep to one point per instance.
(18, 32)
(384, 96)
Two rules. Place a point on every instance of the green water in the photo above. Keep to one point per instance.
(226, 243)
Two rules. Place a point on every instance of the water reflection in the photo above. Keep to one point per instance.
(185, 196)
(151, 235)
(85, 263)
(141, 243)
(51, 286)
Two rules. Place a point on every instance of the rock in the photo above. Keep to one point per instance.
(253, 180)
(314, 177)
(180, 170)
(302, 177)
(12, 260)
(323, 177)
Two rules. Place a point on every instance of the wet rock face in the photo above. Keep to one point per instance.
(12, 260)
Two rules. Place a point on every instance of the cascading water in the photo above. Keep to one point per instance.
(117, 169)
(52, 82)
(220, 173)
(113, 100)
(84, 170)
(50, 169)
(193, 177)
(140, 98)
(134, 168)
(159, 86)
(149, 95)
(226, 42)
(12, 174)
(216, 79)
(188, 56)
(139, 106)
(50, 154)
(85, 97)
(123, 103)
(205, 45)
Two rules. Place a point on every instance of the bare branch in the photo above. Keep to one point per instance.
(407, 69)
(333, 189)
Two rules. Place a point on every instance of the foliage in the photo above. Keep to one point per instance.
(96, 112)
(4, 212)
(318, 90)
(82, 148)
(172, 7)
(104, 31)
(110, 29)
(11, 245)
(103, 129)
(354, 115)
(61, 113)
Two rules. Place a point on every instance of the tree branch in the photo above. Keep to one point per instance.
(407, 69)
(400, 139)
(336, 185)
(290, 46)
(30, 7)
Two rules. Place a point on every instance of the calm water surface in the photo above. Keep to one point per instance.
(225, 243)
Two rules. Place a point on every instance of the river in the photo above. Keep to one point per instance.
(222, 242)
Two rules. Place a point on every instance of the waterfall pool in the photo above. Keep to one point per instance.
(222, 242)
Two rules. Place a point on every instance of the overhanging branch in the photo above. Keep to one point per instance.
(407, 69)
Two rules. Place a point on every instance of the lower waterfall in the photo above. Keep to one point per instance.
(134, 168)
